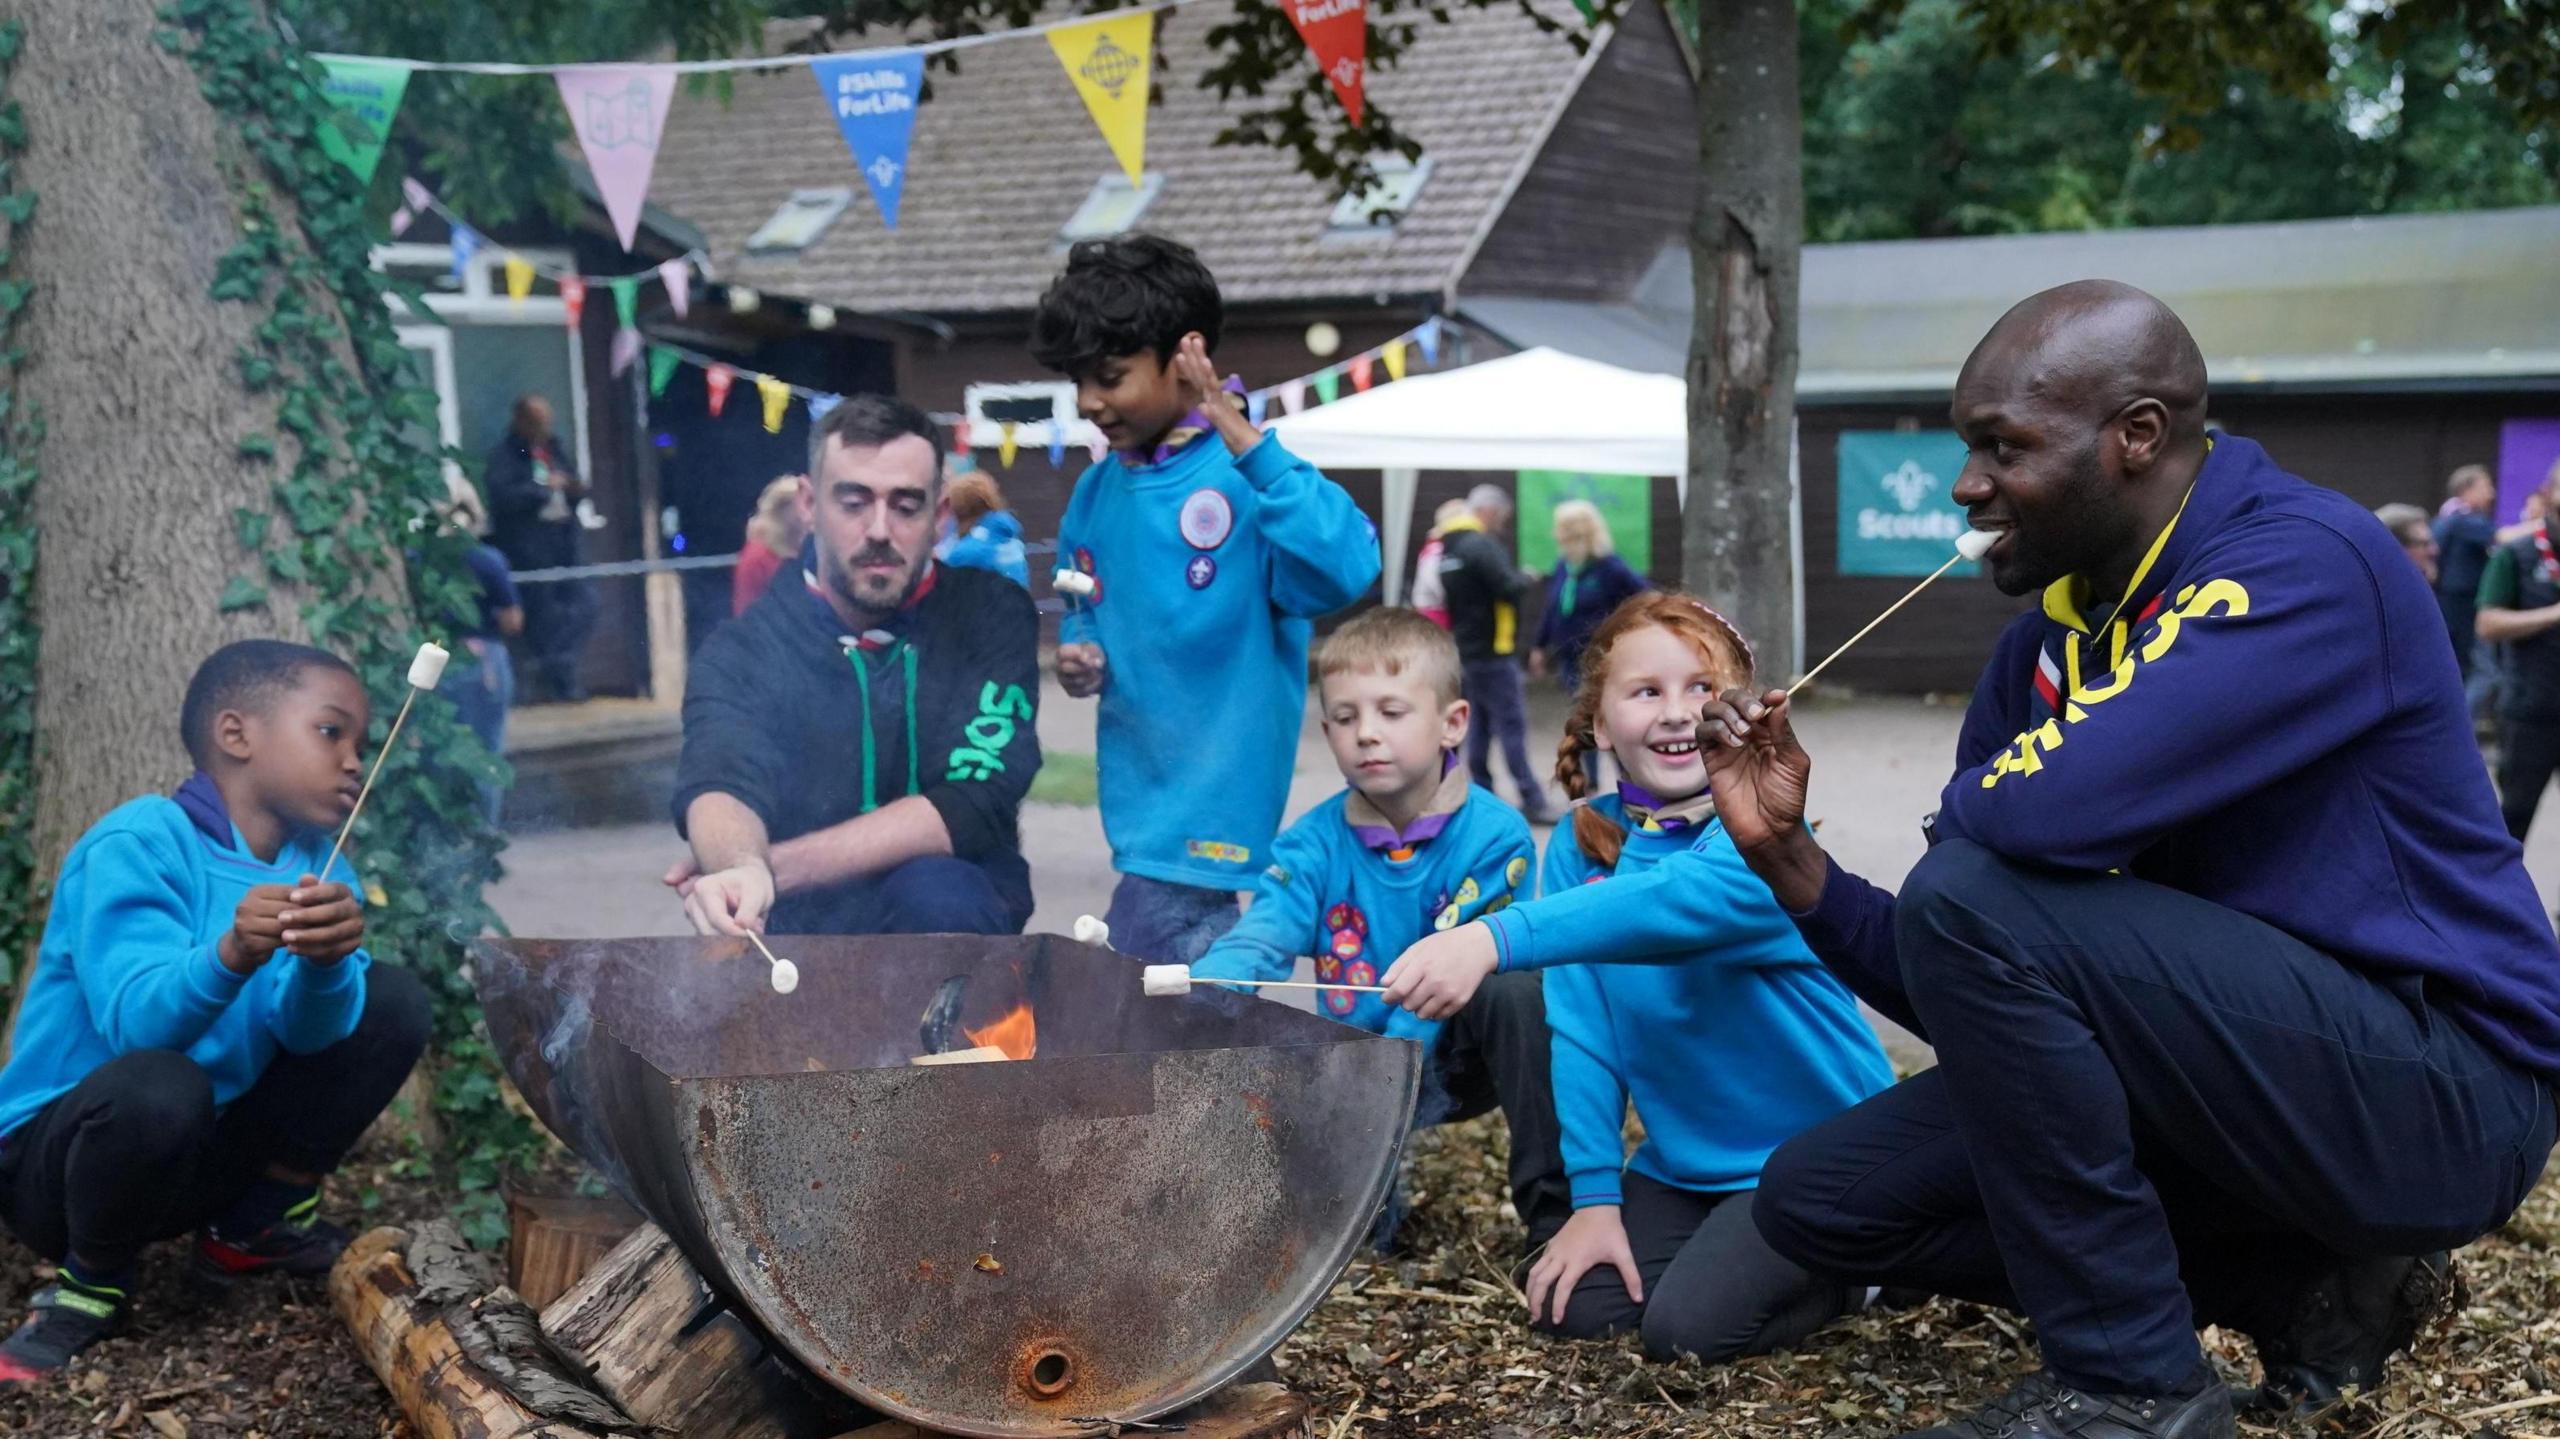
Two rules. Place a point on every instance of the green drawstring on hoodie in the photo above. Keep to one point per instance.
(870, 742)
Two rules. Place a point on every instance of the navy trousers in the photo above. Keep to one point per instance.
(938, 894)
(2150, 1113)
(1498, 694)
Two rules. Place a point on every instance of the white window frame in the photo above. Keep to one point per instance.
(1063, 421)
(483, 300)
(436, 342)
(1350, 214)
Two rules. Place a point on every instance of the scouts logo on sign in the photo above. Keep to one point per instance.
(1898, 512)
(1207, 520)
(1200, 572)
(873, 98)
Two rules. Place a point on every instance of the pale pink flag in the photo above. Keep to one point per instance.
(618, 113)
(677, 276)
(1293, 396)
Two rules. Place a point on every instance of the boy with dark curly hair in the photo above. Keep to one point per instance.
(1211, 550)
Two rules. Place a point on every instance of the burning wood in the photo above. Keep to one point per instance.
(1015, 1034)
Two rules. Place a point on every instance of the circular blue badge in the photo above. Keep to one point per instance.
(1200, 571)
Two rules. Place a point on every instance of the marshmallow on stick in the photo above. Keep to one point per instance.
(1072, 582)
(1971, 545)
(786, 975)
(425, 670)
(1159, 980)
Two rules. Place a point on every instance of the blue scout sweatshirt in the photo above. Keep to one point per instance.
(1331, 891)
(1208, 570)
(2276, 725)
(993, 543)
(1679, 984)
(128, 962)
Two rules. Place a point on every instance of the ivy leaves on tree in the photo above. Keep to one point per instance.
(21, 436)
(352, 538)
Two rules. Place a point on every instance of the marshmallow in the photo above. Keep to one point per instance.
(1974, 544)
(1072, 582)
(1164, 979)
(786, 976)
(1089, 930)
(428, 667)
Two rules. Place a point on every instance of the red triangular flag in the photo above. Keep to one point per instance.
(573, 298)
(716, 379)
(1361, 373)
(1337, 33)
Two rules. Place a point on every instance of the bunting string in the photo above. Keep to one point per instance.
(420, 198)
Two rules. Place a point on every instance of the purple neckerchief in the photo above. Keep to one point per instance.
(1372, 828)
(1646, 812)
(203, 803)
(1190, 427)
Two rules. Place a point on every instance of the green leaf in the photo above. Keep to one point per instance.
(18, 206)
(250, 527)
(257, 447)
(242, 594)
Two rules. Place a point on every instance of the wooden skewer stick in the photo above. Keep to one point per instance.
(1298, 984)
(1970, 547)
(424, 671)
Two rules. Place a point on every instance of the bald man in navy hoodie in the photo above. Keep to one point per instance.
(2245, 1010)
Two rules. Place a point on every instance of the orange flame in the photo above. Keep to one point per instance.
(1015, 1034)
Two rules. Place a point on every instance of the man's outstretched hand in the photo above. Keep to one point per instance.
(1760, 776)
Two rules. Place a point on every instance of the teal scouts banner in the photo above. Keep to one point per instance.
(1897, 513)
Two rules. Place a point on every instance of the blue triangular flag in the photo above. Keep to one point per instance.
(1057, 445)
(873, 96)
(820, 404)
(466, 243)
(1430, 339)
(1256, 405)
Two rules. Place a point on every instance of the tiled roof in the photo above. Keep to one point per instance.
(1004, 153)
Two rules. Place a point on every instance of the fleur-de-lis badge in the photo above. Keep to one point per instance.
(885, 171)
(1910, 484)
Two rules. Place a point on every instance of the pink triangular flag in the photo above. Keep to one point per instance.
(626, 348)
(618, 113)
(677, 276)
(1293, 396)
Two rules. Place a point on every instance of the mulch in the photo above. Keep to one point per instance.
(1430, 1345)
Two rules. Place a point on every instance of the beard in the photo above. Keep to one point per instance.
(2083, 511)
(877, 593)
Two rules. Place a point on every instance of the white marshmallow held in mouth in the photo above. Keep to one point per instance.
(428, 667)
(1072, 582)
(1089, 930)
(786, 976)
(1166, 979)
(1974, 544)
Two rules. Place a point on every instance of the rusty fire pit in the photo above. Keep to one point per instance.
(1109, 1231)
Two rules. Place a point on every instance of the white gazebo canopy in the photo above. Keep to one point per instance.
(1540, 409)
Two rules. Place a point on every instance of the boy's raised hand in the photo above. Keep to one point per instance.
(1080, 669)
(1201, 388)
(322, 922)
(1594, 1236)
(1437, 977)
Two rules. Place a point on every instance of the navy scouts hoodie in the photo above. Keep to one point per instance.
(810, 727)
(2275, 724)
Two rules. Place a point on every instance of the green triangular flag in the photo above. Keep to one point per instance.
(662, 368)
(368, 94)
(626, 300)
(1328, 385)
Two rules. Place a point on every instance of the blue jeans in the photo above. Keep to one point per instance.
(481, 682)
(1164, 923)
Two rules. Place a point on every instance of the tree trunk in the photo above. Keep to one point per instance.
(1745, 244)
(132, 362)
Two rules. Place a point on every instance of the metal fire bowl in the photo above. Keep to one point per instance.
(1108, 1231)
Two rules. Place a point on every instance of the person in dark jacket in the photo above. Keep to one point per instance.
(1483, 590)
(2518, 607)
(857, 746)
(533, 504)
(2240, 994)
(2465, 529)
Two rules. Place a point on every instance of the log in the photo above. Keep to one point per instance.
(983, 1054)
(416, 1356)
(554, 1239)
(650, 1335)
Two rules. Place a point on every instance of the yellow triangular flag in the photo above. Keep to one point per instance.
(519, 277)
(1009, 447)
(1107, 60)
(776, 395)
(1395, 359)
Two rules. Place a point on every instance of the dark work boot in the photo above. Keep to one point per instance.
(2345, 1325)
(2042, 1407)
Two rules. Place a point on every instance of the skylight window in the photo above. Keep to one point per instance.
(1386, 201)
(1112, 207)
(800, 221)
